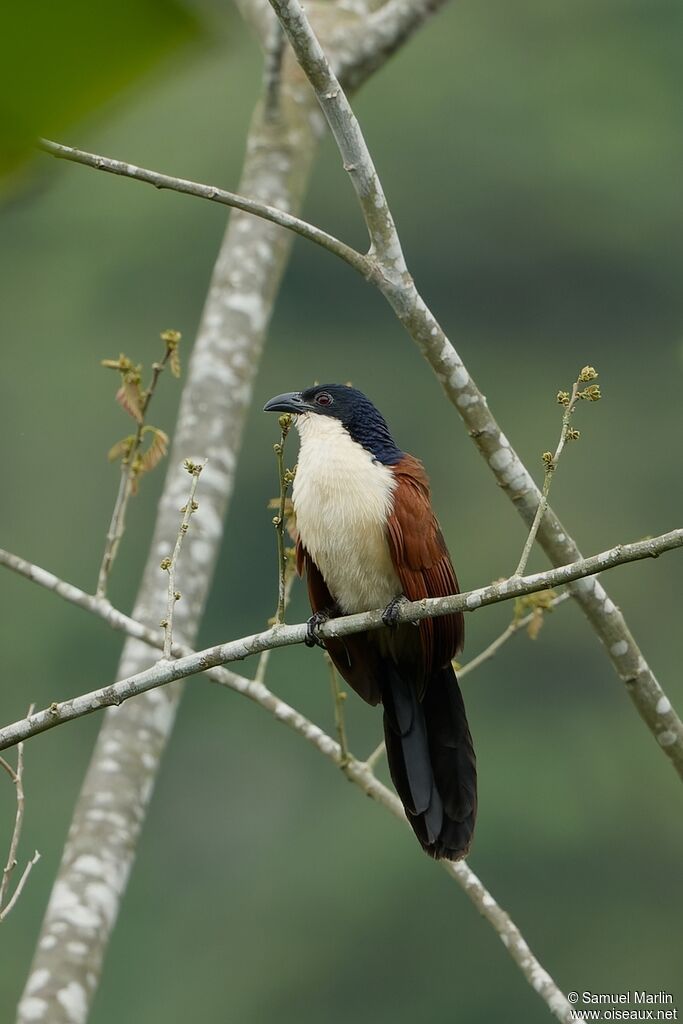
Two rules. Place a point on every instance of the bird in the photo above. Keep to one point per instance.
(367, 538)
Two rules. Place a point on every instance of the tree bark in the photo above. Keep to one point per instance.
(111, 808)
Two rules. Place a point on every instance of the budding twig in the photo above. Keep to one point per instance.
(169, 565)
(550, 461)
(129, 449)
(17, 777)
(286, 476)
(338, 697)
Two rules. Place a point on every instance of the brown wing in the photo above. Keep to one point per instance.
(355, 657)
(421, 559)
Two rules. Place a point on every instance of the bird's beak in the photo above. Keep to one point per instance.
(290, 401)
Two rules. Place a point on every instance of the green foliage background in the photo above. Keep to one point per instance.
(532, 153)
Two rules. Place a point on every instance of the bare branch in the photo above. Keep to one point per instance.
(366, 45)
(219, 380)
(164, 672)
(359, 773)
(551, 461)
(398, 287)
(214, 195)
(384, 240)
(17, 777)
(170, 564)
(126, 489)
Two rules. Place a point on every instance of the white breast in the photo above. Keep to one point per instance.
(342, 499)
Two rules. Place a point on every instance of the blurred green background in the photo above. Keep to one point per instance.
(533, 156)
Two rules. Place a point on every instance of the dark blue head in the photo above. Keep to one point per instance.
(357, 414)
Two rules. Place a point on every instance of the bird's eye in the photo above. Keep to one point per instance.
(323, 398)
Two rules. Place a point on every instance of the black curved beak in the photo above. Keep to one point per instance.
(290, 401)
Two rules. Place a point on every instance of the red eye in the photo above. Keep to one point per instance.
(323, 398)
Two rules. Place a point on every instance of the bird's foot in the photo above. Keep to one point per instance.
(390, 613)
(316, 620)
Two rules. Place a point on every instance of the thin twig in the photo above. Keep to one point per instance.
(379, 750)
(397, 286)
(285, 477)
(670, 726)
(214, 195)
(20, 885)
(171, 564)
(17, 777)
(358, 773)
(511, 630)
(117, 524)
(460, 872)
(551, 461)
(338, 698)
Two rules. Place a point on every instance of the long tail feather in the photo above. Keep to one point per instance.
(431, 760)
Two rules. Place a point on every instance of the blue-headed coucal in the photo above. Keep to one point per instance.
(367, 538)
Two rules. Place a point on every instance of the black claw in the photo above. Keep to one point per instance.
(316, 620)
(390, 613)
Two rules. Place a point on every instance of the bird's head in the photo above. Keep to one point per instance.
(350, 408)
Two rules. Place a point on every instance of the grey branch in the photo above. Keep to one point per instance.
(355, 155)
(358, 772)
(214, 195)
(397, 286)
(226, 356)
(283, 636)
(221, 371)
(17, 777)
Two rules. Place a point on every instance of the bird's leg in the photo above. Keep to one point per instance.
(390, 613)
(313, 624)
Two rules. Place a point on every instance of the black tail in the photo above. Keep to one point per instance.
(432, 761)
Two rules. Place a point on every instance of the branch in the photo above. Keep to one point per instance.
(17, 778)
(366, 45)
(356, 771)
(170, 565)
(394, 281)
(551, 461)
(384, 240)
(214, 195)
(671, 729)
(219, 381)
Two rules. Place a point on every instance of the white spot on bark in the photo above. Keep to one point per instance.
(463, 401)
(103, 897)
(72, 997)
(37, 980)
(501, 458)
(109, 765)
(48, 942)
(619, 648)
(667, 738)
(663, 706)
(89, 865)
(32, 1008)
(608, 606)
(77, 948)
(473, 601)
(460, 378)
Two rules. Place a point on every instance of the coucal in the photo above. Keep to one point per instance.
(368, 538)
